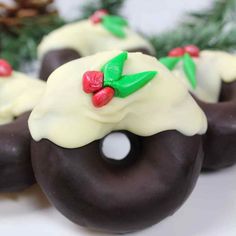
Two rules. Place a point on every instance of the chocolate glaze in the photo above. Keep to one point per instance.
(119, 198)
(55, 58)
(15, 165)
(142, 50)
(220, 139)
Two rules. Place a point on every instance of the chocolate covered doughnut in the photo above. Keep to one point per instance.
(101, 32)
(213, 85)
(94, 193)
(82, 167)
(18, 95)
(219, 144)
(16, 172)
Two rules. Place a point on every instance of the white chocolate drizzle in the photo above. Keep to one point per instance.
(213, 67)
(88, 38)
(67, 117)
(18, 94)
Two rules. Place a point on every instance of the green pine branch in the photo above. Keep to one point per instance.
(222, 11)
(19, 44)
(21, 33)
(214, 28)
(112, 6)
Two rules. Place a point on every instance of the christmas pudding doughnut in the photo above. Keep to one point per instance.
(211, 78)
(101, 32)
(117, 141)
(18, 95)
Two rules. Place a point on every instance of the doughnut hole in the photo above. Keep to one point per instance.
(119, 199)
(119, 148)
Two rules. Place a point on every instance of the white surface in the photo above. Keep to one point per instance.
(211, 209)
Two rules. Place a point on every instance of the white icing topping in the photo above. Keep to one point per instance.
(116, 146)
(213, 67)
(67, 117)
(88, 38)
(18, 94)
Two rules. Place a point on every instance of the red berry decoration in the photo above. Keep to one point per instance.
(109, 82)
(192, 50)
(102, 97)
(176, 52)
(92, 81)
(5, 68)
(97, 16)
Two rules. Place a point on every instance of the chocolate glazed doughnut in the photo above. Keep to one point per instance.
(15, 165)
(101, 184)
(219, 141)
(55, 58)
(119, 198)
(100, 32)
(19, 94)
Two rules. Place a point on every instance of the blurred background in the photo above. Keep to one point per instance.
(147, 16)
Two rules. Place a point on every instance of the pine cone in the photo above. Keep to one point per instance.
(36, 4)
(13, 15)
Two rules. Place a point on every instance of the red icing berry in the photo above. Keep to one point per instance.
(92, 81)
(97, 16)
(5, 68)
(102, 97)
(192, 50)
(176, 52)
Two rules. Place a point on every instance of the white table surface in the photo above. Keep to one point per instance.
(210, 210)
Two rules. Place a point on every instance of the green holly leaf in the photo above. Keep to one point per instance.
(113, 69)
(170, 62)
(115, 28)
(115, 20)
(190, 69)
(131, 83)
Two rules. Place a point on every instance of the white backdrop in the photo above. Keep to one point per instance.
(146, 15)
(210, 210)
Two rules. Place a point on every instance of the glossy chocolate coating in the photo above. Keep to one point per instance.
(16, 171)
(142, 50)
(55, 58)
(220, 139)
(119, 198)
